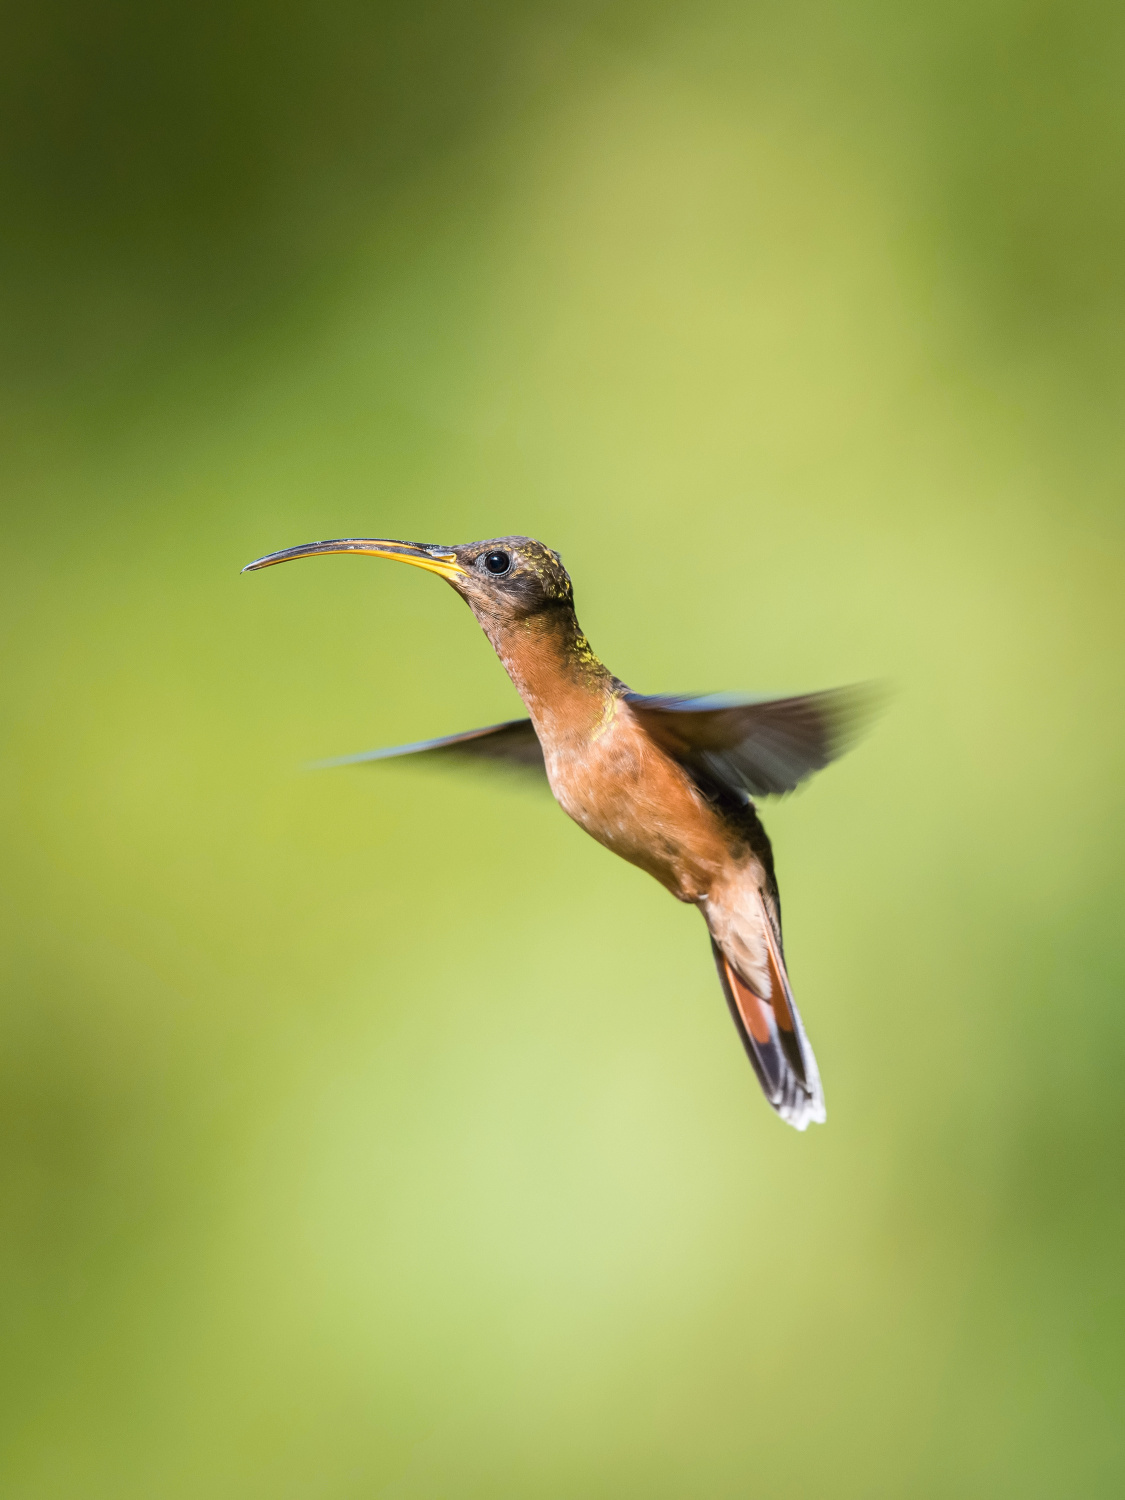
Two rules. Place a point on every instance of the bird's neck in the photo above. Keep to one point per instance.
(550, 661)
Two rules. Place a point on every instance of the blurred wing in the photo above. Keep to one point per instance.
(514, 743)
(756, 747)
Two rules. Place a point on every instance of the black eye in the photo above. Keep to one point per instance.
(498, 562)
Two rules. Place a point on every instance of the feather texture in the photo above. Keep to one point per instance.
(773, 1035)
(513, 742)
(748, 747)
(755, 747)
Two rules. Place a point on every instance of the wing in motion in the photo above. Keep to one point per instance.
(755, 747)
(742, 746)
(514, 743)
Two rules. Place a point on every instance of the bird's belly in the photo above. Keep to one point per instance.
(631, 797)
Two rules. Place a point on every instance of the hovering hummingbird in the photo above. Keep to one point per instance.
(665, 782)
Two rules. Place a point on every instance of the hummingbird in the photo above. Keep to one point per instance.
(666, 782)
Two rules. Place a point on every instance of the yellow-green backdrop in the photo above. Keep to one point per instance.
(374, 1133)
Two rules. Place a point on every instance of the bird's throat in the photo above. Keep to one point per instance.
(552, 664)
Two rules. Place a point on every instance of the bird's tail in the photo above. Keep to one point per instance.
(773, 1035)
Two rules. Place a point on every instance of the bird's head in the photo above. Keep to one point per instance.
(503, 581)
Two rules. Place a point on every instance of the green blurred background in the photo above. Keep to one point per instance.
(373, 1133)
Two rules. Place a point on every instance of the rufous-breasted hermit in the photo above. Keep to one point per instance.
(666, 782)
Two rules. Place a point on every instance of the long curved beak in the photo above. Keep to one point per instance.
(440, 560)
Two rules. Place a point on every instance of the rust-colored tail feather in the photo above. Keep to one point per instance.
(774, 1037)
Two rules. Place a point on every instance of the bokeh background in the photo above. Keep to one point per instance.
(373, 1133)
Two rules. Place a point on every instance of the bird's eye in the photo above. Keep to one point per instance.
(498, 562)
